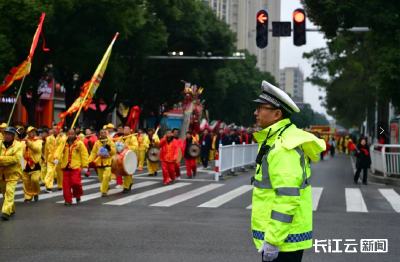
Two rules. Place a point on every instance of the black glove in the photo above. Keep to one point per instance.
(108, 147)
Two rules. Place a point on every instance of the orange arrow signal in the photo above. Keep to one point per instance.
(261, 18)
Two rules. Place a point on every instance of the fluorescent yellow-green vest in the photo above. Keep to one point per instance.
(282, 205)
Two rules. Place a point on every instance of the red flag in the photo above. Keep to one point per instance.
(18, 73)
(351, 146)
(133, 118)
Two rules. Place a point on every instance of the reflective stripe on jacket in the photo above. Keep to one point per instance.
(282, 204)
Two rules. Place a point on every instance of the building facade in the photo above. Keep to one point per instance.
(241, 16)
(291, 80)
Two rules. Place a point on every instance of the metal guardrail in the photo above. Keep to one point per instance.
(233, 156)
(386, 162)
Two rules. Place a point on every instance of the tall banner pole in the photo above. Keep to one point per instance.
(80, 108)
(16, 99)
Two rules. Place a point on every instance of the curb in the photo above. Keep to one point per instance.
(383, 180)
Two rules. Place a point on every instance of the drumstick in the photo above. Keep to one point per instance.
(155, 133)
(119, 137)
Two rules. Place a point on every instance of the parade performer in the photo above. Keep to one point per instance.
(346, 144)
(89, 141)
(175, 133)
(130, 142)
(168, 156)
(212, 151)
(11, 171)
(189, 160)
(111, 135)
(143, 146)
(43, 164)
(32, 153)
(281, 219)
(72, 157)
(102, 154)
(153, 141)
(53, 170)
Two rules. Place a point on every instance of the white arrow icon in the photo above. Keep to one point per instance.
(382, 130)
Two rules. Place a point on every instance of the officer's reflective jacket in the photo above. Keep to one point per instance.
(281, 206)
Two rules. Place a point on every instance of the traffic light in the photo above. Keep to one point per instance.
(299, 27)
(262, 29)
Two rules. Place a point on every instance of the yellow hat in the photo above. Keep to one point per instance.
(110, 125)
(3, 125)
(105, 127)
(31, 128)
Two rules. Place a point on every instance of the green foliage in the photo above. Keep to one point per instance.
(78, 33)
(356, 67)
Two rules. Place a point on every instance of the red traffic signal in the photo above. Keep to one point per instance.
(262, 28)
(299, 27)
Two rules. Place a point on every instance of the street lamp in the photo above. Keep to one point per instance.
(180, 53)
(173, 53)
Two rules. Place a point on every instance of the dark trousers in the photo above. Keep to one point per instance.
(332, 151)
(205, 154)
(294, 256)
(357, 175)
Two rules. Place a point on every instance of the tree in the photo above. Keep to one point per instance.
(360, 66)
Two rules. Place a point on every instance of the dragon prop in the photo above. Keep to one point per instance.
(133, 118)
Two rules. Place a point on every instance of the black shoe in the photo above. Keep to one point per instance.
(27, 200)
(86, 176)
(12, 213)
(355, 182)
(365, 183)
(125, 191)
(150, 174)
(194, 174)
(67, 203)
(4, 217)
(166, 184)
(36, 198)
(189, 177)
(78, 200)
(59, 189)
(48, 190)
(103, 195)
(172, 182)
(155, 173)
(130, 186)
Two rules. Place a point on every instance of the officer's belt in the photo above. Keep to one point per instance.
(266, 182)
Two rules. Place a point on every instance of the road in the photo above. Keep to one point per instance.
(194, 220)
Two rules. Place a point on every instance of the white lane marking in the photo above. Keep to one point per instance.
(60, 193)
(355, 201)
(316, 195)
(129, 199)
(111, 192)
(41, 188)
(186, 196)
(392, 197)
(219, 201)
(250, 207)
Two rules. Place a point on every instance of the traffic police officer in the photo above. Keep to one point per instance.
(281, 219)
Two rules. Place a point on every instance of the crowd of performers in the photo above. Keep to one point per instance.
(62, 157)
(343, 143)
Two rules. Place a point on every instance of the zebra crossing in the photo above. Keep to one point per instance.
(214, 195)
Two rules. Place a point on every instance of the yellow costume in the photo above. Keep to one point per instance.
(43, 163)
(32, 153)
(212, 151)
(346, 144)
(103, 164)
(131, 143)
(11, 171)
(198, 160)
(153, 167)
(78, 157)
(144, 142)
(52, 143)
(339, 144)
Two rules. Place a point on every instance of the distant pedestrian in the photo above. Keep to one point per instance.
(332, 142)
(363, 161)
(234, 138)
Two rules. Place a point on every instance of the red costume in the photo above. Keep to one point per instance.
(168, 157)
(178, 165)
(89, 144)
(191, 165)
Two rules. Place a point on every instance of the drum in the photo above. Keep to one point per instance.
(124, 163)
(153, 154)
(194, 150)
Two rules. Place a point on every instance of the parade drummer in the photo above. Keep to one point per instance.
(168, 156)
(102, 155)
(143, 146)
(190, 161)
(175, 133)
(72, 157)
(11, 170)
(130, 142)
(111, 134)
(52, 143)
(153, 142)
(32, 153)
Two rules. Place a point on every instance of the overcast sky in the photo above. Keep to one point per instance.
(291, 55)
